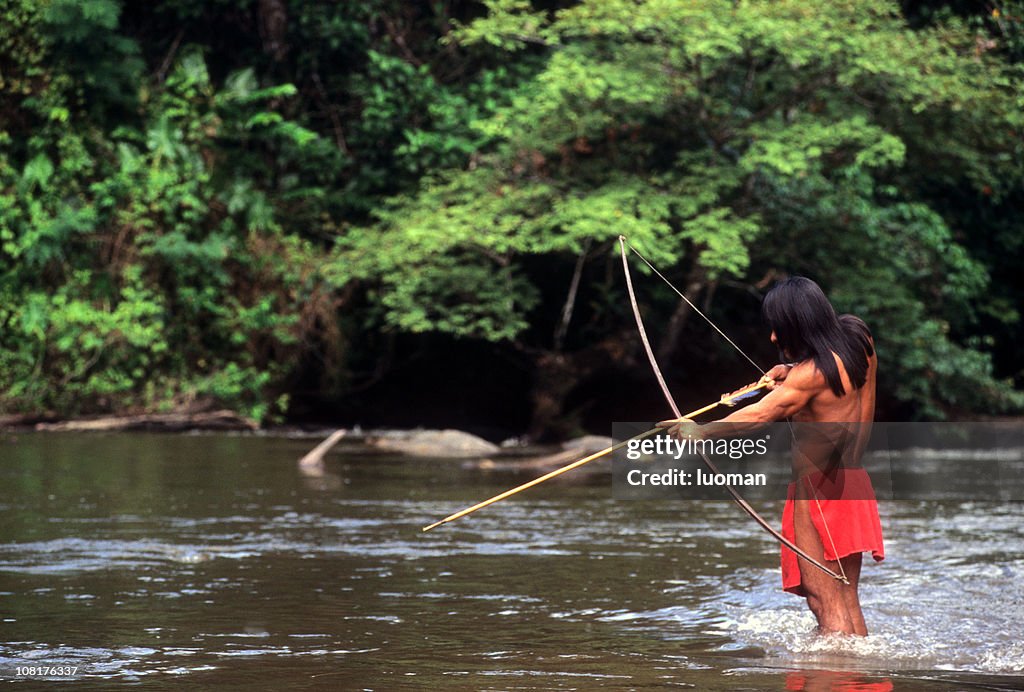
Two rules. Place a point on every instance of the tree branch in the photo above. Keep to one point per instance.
(570, 299)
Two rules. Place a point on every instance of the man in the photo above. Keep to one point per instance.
(827, 390)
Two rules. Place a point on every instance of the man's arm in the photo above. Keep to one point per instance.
(777, 374)
(802, 383)
(773, 378)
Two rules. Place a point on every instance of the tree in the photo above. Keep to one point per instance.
(727, 141)
(171, 172)
(136, 272)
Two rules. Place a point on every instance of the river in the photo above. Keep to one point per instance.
(210, 562)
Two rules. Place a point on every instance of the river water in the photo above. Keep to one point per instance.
(210, 562)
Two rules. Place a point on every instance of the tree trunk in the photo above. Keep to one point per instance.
(670, 342)
(556, 375)
(273, 24)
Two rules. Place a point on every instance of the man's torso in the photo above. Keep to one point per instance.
(831, 431)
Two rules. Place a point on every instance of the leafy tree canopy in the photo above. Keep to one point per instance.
(727, 141)
(237, 203)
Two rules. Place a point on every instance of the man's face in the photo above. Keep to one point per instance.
(783, 354)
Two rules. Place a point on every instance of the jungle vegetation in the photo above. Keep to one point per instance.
(404, 212)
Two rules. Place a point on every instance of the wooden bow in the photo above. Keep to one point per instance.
(736, 497)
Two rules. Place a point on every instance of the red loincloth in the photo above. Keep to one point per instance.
(851, 514)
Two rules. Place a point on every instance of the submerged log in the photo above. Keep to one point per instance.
(168, 422)
(315, 459)
(571, 451)
(26, 420)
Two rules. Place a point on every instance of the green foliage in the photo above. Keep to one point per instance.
(189, 217)
(726, 140)
(410, 125)
(83, 41)
(138, 274)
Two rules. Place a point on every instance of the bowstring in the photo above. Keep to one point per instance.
(692, 306)
(824, 522)
(661, 379)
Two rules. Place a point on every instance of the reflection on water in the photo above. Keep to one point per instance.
(212, 559)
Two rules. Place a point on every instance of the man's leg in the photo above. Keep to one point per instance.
(851, 565)
(825, 595)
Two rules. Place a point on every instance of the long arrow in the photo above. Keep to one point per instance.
(597, 455)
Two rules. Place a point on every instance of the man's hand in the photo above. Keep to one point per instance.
(776, 375)
(682, 429)
(726, 398)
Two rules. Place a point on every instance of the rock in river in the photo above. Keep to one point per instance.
(433, 443)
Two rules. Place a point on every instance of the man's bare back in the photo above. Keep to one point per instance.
(838, 425)
(828, 395)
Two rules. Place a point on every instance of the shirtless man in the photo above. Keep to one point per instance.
(827, 390)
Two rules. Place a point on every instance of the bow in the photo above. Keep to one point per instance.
(736, 497)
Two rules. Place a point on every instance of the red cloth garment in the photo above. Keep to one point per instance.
(836, 681)
(850, 512)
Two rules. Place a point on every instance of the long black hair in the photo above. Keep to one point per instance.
(806, 326)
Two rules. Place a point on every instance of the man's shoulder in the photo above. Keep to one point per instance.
(805, 375)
